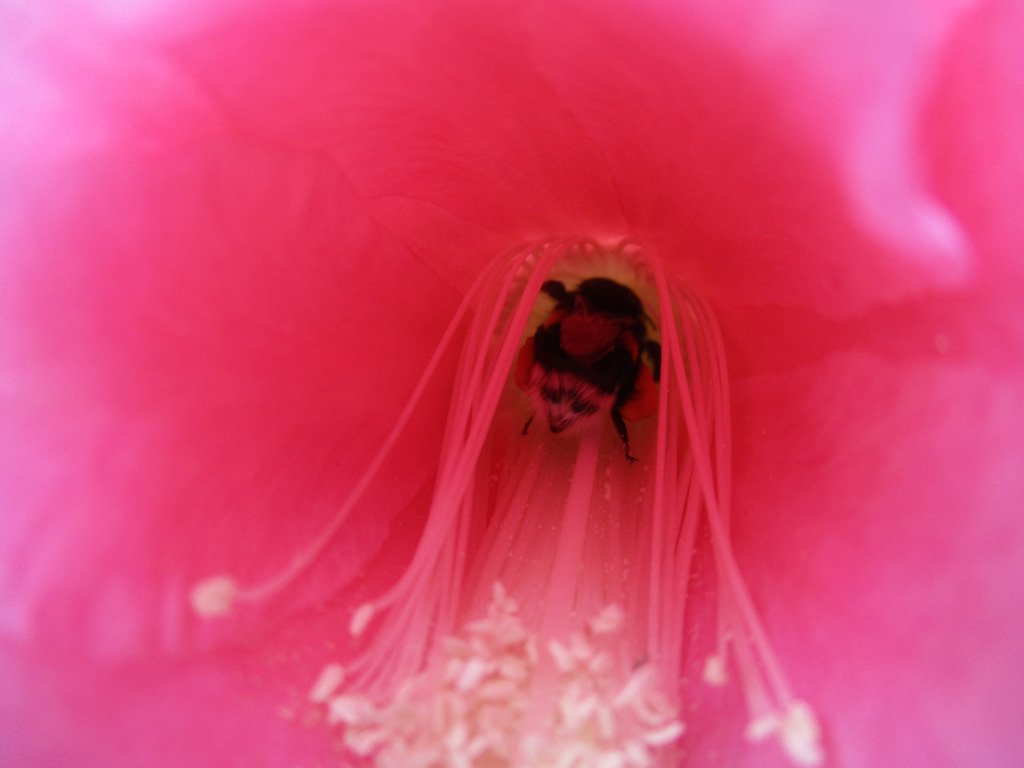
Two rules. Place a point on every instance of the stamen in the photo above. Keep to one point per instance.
(578, 658)
(217, 595)
(736, 606)
(475, 704)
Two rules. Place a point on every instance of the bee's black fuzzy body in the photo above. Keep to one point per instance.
(588, 357)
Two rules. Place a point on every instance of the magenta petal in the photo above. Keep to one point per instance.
(465, 129)
(200, 354)
(853, 79)
(231, 237)
(162, 714)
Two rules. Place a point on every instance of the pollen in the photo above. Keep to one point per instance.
(482, 702)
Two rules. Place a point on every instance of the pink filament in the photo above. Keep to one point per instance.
(691, 475)
(529, 512)
(733, 590)
(482, 378)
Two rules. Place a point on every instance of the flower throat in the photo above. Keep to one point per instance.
(541, 619)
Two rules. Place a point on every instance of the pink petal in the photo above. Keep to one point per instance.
(230, 240)
(188, 322)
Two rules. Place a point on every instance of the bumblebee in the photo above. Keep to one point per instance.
(587, 357)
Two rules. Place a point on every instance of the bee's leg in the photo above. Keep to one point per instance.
(653, 350)
(526, 426)
(556, 290)
(620, 427)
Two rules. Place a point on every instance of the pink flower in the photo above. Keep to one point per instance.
(231, 238)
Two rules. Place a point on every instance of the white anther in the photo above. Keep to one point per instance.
(214, 596)
(563, 659)
(762, 727)
(800, 735)
(714, 671)
(474, 671)
(608, 621)
(360, 619)
(665, 735)
(330, 678)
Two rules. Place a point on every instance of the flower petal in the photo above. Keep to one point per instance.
(203, 347)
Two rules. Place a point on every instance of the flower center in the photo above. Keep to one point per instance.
(569, 526)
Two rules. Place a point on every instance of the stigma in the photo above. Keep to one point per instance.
(541, 620)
